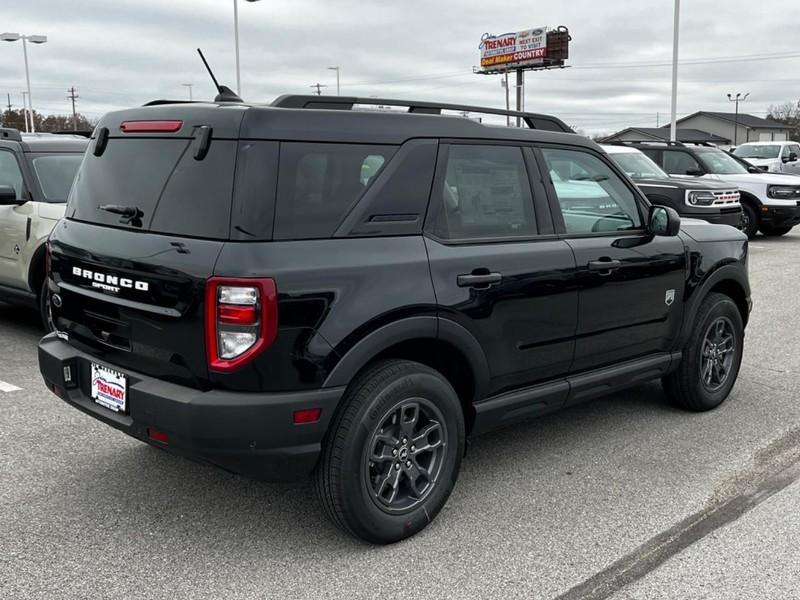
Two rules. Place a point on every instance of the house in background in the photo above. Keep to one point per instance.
(750, 128)
(713, 127)
(661, 134)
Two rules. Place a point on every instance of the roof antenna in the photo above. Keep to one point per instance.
(225, 94)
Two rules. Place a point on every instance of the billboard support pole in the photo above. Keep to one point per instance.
(508, 106)
(520, 94)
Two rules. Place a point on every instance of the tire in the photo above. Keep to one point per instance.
(357, 494)
(774, 231)
(688, 387)
(44, 308)
(750, 222)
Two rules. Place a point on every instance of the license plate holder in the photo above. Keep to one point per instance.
(109, 388)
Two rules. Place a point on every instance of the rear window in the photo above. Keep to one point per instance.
(318, 183)
(55, 173)
(175, 193)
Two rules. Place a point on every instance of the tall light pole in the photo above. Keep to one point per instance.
(188, 85)
(673, 127)
(33, 39)
(236, 40)
(25, 110)
(738, 98)
(337, 69)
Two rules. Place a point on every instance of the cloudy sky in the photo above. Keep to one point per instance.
(119, 53)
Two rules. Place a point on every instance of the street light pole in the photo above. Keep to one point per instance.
(236, 41)
(738, 98)
(188, 85)
(25, 111)
(33, 39)
(673, 127)
(337, 69)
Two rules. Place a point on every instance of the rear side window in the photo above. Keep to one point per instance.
(677, 162)
(175, 193)
(485, 194)
(318, 183)
(55, 173)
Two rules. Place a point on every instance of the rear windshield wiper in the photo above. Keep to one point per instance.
(129, 215)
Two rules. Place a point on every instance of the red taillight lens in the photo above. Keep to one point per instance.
(306, 416)
(237, 315)
(158, 436)
(150, 126)
(241, 320)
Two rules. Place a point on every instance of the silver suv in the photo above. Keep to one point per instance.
(36, 173)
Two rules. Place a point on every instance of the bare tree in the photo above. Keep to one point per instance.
(789, 114)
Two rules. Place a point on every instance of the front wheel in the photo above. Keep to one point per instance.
(711, 358)
(393, 453)
(750, 222)
(774, 231)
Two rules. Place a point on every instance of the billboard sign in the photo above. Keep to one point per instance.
(519, 49)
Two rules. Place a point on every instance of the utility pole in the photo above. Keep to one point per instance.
(8, 113)
(673, 127)
(318, 87)
(738, 98)
(73, 95)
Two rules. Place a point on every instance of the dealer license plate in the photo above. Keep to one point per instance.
(109, 388)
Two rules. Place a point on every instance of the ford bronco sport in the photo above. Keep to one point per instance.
(305, 288)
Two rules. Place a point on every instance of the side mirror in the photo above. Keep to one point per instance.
(695, 172)
(8, 196)
(663, 220)
(792, 157)
(786, 159)
(754, 169)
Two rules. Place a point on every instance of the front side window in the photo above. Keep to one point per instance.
(678, 162)
(593, 198)
(318, 183)
(485, 194)
(10, 173)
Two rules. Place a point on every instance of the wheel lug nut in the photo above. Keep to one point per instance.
(394, 451)
(397, 466)
(413, 448)
(405, 440)
(408, 464)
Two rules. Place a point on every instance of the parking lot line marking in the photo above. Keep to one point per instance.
(7, 387)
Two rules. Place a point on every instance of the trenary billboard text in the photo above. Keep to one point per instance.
(519, 49)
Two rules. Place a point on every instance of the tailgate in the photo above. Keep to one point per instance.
(133, 300)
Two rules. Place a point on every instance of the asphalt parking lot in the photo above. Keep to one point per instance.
(624, 497)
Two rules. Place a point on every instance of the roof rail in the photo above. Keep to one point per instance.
(10, 133)
(532, 120)
(166, 101)
(644, 143)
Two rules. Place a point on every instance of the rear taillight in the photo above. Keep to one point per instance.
(241, 320)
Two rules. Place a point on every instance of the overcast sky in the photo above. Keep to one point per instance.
(119, 53)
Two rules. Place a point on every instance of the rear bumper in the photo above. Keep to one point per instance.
(250, 434)
(780, 216)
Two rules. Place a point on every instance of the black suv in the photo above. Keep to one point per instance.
(711, 201)
(288, 289)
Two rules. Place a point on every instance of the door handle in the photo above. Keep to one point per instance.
(479, 279)
(604, 266)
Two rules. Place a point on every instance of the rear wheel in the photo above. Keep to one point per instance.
(711, 358)
(393, 453)
(45, 315)
(774, 231)
(750, 223)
